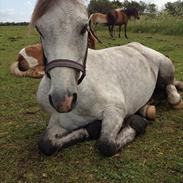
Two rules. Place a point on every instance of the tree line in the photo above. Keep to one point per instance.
(13, 23)
(104, 6)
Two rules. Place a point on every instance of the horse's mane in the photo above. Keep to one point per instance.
(42, 6)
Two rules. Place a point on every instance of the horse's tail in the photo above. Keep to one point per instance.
(178, 85)
(91, 19)
(92, 35)
(14, 69)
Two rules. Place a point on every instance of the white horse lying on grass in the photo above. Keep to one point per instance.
(119, 80)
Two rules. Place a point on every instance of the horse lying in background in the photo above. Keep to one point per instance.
(30, 61)
(115, 17)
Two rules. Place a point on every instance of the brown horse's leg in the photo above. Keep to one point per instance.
(113, 31)
(125, 28)
(119, 30)
(110, 30)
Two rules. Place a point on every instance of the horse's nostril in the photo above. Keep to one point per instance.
(63, 105)
(50, 100)
(74, 100)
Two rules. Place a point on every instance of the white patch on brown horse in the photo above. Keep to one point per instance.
(29, 63)
(32, 61)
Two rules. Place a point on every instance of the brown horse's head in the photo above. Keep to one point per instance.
(132, 12)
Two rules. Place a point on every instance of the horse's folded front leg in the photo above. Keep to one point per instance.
(72, 138)
(50, 145)
(114, 137)
(134, 125)
(89, 132)
(111, 125)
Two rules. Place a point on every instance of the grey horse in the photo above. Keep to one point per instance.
(119, 80)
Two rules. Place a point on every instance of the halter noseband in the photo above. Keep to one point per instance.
(69, 64)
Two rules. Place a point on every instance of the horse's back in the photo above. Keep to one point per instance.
(116, 17)
(122, 18)
(120, 57)
(124, 74)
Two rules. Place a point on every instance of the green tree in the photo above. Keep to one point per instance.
(102, 6)
(142, 7)
(175, 8)
(116, 4)
(131, 4)
(151, 8)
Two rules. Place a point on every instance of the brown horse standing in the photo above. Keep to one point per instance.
(120, 17)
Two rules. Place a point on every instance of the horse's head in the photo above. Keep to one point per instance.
(132, 12)
(62, 25)
(136, 13)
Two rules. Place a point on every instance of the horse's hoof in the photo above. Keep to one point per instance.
(151, 112)
(148, 111)
(46, 147)
(179, 105)
(138, 123)
(94, 129)
(106, 148)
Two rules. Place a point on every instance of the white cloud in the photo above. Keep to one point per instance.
(11, 15)
(7, 15)
(19, 13)
(28, 3)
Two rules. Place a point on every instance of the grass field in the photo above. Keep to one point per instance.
(156, 157)
(164, 24)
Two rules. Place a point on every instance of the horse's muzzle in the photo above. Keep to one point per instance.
(63, 105)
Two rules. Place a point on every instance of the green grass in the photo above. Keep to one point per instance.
(153, 158)
(168, 25)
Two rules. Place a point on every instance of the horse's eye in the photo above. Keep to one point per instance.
(84, 29)
(39, 32)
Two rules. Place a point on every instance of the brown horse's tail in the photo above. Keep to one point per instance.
(92, 36)
(178, 85)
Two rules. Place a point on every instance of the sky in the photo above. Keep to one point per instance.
(21, 10)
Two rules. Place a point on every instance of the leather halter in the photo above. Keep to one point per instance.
(69, 64)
